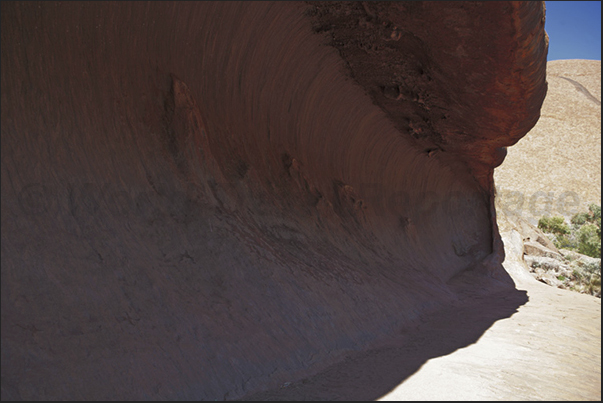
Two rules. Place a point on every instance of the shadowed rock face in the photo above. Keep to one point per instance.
(203, 200)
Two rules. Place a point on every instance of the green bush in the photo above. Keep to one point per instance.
(589, 243)
(584, 236)
(595, 211)
(565, 242)
(553, 225)
(580, 219)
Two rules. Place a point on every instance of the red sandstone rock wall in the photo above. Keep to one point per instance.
(202, 200)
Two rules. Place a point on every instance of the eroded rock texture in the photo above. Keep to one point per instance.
(203, 200)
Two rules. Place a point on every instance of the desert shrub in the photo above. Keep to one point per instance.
(562, 241)
(591, 267)
(553, 225)
(589, 240)
(576, 274)
(580, 219)
(596, 212)
(584, 235)
(594, 240)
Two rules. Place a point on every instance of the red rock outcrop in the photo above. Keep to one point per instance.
(203, 199)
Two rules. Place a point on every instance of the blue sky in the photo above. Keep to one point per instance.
(574, 29)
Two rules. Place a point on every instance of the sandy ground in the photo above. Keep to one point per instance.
(547, 349)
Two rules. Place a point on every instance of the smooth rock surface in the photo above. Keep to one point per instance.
(547, 349)
(536, 249)
(203, 200)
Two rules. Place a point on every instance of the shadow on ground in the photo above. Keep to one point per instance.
(371, 374)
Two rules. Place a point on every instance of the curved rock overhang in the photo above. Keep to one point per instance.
(202, 199)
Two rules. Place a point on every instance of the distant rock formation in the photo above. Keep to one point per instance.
(201, 200)
(556, 168)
